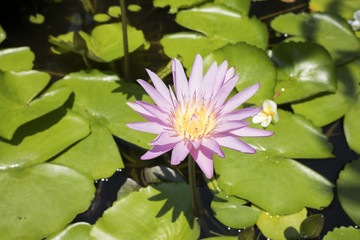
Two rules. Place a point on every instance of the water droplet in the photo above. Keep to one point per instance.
(286, 35)
(239, 230)
(119, 169)
(227, 196)
(283, 89)
(271, 216)
(356, 226)
(229, 228)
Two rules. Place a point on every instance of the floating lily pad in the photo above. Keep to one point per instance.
(352, 127)
(114, 11)
(233, 212)
(18, 104)
(79, 230)
(304, 69)
(280, 227)
(330, 31)
(221, 238)
(240, 6)
(344, 8)
(2, 34)
(134, 8)
(253, 66)
(343, 233)
(157, 212)
(16, 59)
(105, 43)
(175, 4)
(312, 226)
(37, 18)
(41, 199)
(101, 17)
(220, 22)
(348, 189)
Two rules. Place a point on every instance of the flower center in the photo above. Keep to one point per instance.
(194, 120)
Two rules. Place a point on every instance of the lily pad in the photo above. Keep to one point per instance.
(311, 227)
(330, 31)
(101, 17)
(165, 213)
(343, 233)
(103, 97)
(344, 8)
(352, 127)
(220, 22)
(41, 139)
(41, 199)
(18, 104)
(79, 230)
(114, 11)
(175, 4)
(348, 189)
(2, 34)
(304, 69)
(105, 43)
(38, 18)
(16, 59)
(240, 6)
(280, 227)
(253, 66)
(233, 212)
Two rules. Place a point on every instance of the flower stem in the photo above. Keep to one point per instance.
(193, 190)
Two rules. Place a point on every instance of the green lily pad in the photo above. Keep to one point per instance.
(114, 11)
(327, 108)
(240, 6)
(253, 66)
(41, 199)
(16, 59)
(295, 137)
(103, 97)
(330, 31)
(233, 212)
(221, 238)
(280, 227)
(18, 104)
(344, 8)
(343, 233)
(304, 69)
(157, 212)
(79, 230)
(276, 184)
(41, 139)
(183, 44)
(134, 8)
(97, 155)
(311, 227)
(175, 4)
(101, 17)
(352, 127)
(220, 22)
(348, 189)
(105, 43)
(37, 18)
(2, 34)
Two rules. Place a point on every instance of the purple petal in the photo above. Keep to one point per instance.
(220, 77)
(209, 81)
(165, 138)
(224, 92)
(213, 146)
(159, 85)
(230, 125)
(140, 110)
(229, 74)
(149, 127)
(240, 98)
(180, 151)
(155, 95)
(240, 114)
(204, 159)
(180, 80)
(196, 75)
(234, 143)
(251, 132)
(155, 111)
(157, 151)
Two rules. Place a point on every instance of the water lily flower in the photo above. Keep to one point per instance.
(196, 119)
(355, 24)
(267, 114)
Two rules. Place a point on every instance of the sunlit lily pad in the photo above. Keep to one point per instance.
(134, 8)
(79, 230)
(280, 227)
(38, 18)
(253, 66)
(101, 17)
(233, 212)
(2, 34)
(40, 200)
(330, 31)
(304, 69)
(219, 22)
(105, 43)
(114, 11)
(221, 238)
(18, 104)
(348, 189)
(344, 8)
(240, 6)
(42, 138)
(176, 4)
(352, 127)
(16, 59)
(157, 212)
(103, 97)
(343, 233)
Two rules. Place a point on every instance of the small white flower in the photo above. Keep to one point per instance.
(355, 24)
(267, 114)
